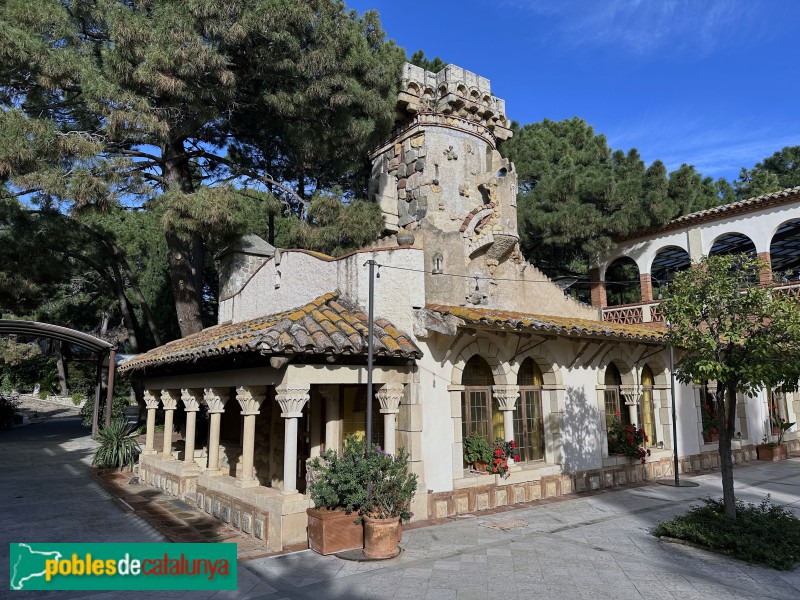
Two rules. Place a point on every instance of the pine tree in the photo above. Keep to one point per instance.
(149, 103)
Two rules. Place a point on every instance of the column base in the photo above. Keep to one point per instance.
(290, 492)
(247, 483)
(212, 472)
(149, 452)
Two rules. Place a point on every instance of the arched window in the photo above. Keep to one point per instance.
(528, 418)
(648, 406)
(479, 411)
(615, 405)
(667, 262)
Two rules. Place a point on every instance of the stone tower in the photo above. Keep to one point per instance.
(441, 179)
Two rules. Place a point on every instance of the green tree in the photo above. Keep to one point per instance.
(577, 195)
(741, 336)
(434, 65)
(776, 172)
(149, 104)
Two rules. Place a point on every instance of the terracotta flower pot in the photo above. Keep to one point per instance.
(772, 453)
(479, 465)
(381, 537)
(332, 531)
(711, 438)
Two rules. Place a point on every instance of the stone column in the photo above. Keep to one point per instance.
(250, 399)
(631, 394)
(765, 274)
(331, 396)
(646, 283)
(506, 396)
(215, 399)
(598, 289)
(389, 396)
(169, 399)
(292, 400)
(191, 404)
(151, 398)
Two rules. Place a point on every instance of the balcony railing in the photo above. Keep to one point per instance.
(650, 312)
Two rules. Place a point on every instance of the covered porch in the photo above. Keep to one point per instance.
(248, 432)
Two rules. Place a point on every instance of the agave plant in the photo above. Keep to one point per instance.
(118, 445)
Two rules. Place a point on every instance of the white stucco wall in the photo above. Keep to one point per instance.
(293, 278)
(760, 226)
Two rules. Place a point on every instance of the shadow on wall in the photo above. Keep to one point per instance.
(581, 434)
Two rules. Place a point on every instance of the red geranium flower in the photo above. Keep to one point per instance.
(498, 452)
(643, 461)
(516, 457)
(513, 444)
(714, 430)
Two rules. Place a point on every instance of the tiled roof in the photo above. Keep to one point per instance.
(327, 325)
(505, 319)
(725, 210)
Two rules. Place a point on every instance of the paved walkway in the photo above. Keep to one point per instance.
(591, 547)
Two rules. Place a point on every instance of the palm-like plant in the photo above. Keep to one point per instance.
(118, 445)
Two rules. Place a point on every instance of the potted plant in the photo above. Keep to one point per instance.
(774, 450)
(337, 486)
(627, 440)
(389, 492)
(118, 446)
(477, 452)
(503, 450)
(710, 431)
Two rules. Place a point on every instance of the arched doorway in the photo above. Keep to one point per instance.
(528, 416)
(622, 282)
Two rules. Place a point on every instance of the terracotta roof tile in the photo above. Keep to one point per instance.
(654, 332)
(724, 210)
(327, 325)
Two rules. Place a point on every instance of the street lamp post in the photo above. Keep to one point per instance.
(676, 482)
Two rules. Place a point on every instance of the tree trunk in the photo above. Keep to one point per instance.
(61, 365)
(726, 430)
(125, 307)
(183, 257)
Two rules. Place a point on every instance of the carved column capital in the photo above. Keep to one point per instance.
(631, 394)
(152, 398)
(215, 398)
(250, 398)
(169, 398)
(292, 400)
(191, 398)
(389, 396)
(506, 396)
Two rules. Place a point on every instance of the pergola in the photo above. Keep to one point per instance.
(101, 348)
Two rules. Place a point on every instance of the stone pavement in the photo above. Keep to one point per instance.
(595, 546)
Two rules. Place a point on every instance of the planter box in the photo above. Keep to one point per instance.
(772, 453)
(332, 531)
(711, 438)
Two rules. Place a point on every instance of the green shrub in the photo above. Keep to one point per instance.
(77, 398)
(118, 445)
(476, 448)
(765, 533)
(9, 412)
(339, 482)
(370, 482)
(118, 408)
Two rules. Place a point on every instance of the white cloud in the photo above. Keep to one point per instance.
(646, 26)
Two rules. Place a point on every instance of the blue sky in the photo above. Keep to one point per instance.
(710, 83)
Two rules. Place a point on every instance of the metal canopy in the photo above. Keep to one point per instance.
(64, 334)
(733, 243)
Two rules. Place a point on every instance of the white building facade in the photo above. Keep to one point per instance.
(469, 338)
